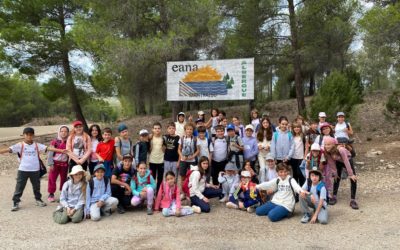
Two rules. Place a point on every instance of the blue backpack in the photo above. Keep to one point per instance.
(320, 185)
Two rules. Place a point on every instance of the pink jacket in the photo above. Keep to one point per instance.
(344, 157)
(166, 195)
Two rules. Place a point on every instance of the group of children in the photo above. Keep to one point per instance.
(259, 168)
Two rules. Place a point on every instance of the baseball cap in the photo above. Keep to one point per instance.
(249, 127)
(201, 112)
(77, 123)
(230, 166)
(143, 132)
(246, 174)
(340, 114)
(322, 114)
(315, 170)
(315, 146)
(28, 130)
(325, 124)
(199, 120)
(100, 166)
(269, 157)
(122, 127)
(230, 127)
(181, 113)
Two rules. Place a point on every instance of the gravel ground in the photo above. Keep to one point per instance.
(374, 226)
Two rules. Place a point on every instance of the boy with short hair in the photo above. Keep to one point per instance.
(171, 144)
(315, 198)
(188, 150)
(98, 195)
(156, 158)
(311, 134)
(105, 151)
(140, 150)
(235, 147)
(204, 143)
(123, 143)
(219, 153)
(29, 166)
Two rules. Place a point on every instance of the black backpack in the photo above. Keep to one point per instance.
(91, 184)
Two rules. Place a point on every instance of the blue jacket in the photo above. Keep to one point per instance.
(281, 145)
(142, 182)
(100, 192)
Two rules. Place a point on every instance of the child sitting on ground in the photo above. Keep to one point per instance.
(72, 199)
(98, 195)
(143, 187)
(316, 199)
(246, 195)
(267, 174)
(283, 201)
(168, 198)
(229, 180)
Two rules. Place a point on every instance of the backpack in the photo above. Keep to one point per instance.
(136, 180)
(42, 167)
(185, 185)
(276, 135)
(91, 184)
(319, 187)
(194, 143)
(347, 124)
(291, 187)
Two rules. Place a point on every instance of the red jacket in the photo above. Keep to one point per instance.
(166, 195)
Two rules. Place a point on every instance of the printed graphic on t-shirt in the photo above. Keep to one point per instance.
(79, 147)
(188, 146)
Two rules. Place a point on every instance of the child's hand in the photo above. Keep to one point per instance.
(205, 199)
(314, 219)
(100, 203)
(101, 159)
(303, 195)
(143, 194)
(354, 178)
(128, 188)
(270, 192)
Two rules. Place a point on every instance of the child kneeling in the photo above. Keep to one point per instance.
(98, 195)
(316, 199)
(246, 196)
(168, 199)
(72, 198)
(283, 201)
(143, 186)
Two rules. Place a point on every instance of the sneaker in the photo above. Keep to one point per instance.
(332, 201)
(231, 205)
(15, 207)
(251, 209)
(224, 199)
(120, 209)
(306, 218)
(40, 203)
(107, 212)
(149, 211)
(51, 198)
(196, 209)
(353, 204)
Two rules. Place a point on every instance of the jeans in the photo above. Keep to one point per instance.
(353, 184)
(306, 204)
(22, 179)
(209, 193)
(170, 166)
(273, 211)
(109, 167)
(157, 171)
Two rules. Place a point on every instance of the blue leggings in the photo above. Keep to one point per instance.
(209, 193)
(273, 211)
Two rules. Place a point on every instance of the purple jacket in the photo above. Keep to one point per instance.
(250, 148)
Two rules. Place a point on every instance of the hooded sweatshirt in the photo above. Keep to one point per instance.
(197, 183)
(180, 127)
(281, 145)
(58, 143)
(283, 195)
(142, 182)
(72, 195)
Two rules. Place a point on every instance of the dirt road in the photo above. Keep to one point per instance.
(13, 133)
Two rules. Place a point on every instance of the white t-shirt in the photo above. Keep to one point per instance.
(78, 146)
(220, 149)
(188, 147)
(340, 130)
(204, 149)
(298, 148)
(93, 156)
(29, 161)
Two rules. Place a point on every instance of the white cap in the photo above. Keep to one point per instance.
(269, 157)
(76, 169)
(321, 114)
(143, 132)
(249, 127)
(245, 174)
(340, 114)
(200, 112)
(315, 146)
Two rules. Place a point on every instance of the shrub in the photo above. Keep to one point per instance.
(393, 103)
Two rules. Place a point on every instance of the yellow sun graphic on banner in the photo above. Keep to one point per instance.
(203, 74)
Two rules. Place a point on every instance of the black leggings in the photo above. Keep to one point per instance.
(353, 184)
(297, 175)
(157, 170)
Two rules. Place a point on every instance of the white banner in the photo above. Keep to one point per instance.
(210, 80)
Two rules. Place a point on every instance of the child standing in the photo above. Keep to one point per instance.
(29, 166)
(326, 131)
(57, 162)
(282, 141)
(171, 144)
(264, 137)
(140, 150)
(316, 199)
(120, 182)
(283, 201)
(156, 158)
(105, 151)
(213, 121)
(187, 150)
(123, 144)
(200, 191)
(235, 147)
(204, 143)
(229, 180)
(95, 136)
(143, 188)
(343, 129)
(180, 124)
(239, 128)
(98, 195)
(246, 196)
(322, 120)
(219, 154)
(168, 198)
(79, 146)
(297, 153)
(72, 198)
(250, 151)
(255, 121)
(311, 135)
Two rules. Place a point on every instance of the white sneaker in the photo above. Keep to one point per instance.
(250, 210)
(225, 199)
(196, 209)
(306, 218)
(231, 205)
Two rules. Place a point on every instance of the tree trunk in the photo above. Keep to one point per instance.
(176, 108)
(301, 104)
(311, 90)
(76, 107)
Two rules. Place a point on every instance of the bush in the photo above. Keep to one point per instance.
(393, 104)
(339, 92)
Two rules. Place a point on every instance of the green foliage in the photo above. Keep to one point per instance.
(338, 93)
(393, 103)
